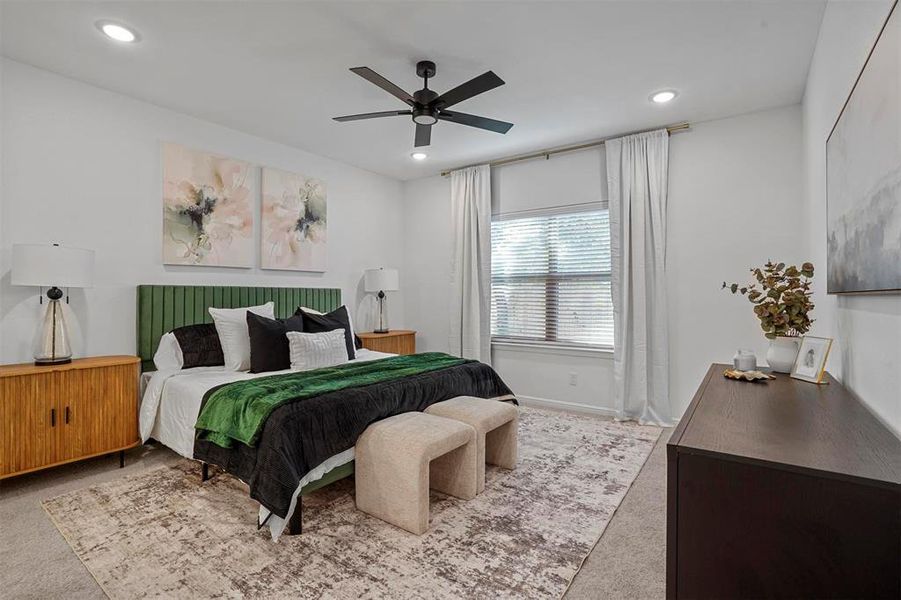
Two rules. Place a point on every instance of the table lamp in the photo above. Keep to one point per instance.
(53, 266)
(379, 281)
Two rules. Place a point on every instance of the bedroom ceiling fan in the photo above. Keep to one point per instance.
(427, 107)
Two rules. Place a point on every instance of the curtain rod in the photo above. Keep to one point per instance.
(548, 153)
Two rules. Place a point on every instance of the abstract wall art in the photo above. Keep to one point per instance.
(208, 205)
(863, 175)
(294, 232)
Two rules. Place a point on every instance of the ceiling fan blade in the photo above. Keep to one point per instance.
(475, 121)
(475, 86)
(423, 135)
(375, 115)
(373, 77)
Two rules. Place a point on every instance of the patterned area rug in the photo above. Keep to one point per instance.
(164, 534)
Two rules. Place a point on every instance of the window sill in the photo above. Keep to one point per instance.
(542, 348)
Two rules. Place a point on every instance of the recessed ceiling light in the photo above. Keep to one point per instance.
(419, 156)
(117, 32)
(663, 96)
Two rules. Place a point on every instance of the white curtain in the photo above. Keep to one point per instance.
(636, 182)
(470, 335)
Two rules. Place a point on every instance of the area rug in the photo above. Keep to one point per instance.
(164, 534)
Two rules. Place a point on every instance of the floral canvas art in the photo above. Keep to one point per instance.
(207, 209)
(294, 225)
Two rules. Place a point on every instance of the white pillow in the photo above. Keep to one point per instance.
(231, 325)
(316, 350)
(168, 354)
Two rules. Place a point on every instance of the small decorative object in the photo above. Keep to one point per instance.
(810, 364)
(56, 266)
(379, 281)
(747, 375)
(744, 360)
(781, 299)
(294, 226)
(207, 209)
(863, 175)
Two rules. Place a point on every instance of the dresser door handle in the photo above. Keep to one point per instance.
(67, 415)
(52, 417)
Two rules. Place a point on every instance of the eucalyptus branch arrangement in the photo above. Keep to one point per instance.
(781, 298)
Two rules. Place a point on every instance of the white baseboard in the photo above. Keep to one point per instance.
(566, 406)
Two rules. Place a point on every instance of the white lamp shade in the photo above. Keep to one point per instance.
(380, 280)
(45, 265)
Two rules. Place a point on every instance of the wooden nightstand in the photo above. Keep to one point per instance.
(51, 415)
(396, 341)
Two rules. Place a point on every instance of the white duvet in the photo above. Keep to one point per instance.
(171, 403)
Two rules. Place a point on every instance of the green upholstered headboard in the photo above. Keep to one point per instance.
(162, 308)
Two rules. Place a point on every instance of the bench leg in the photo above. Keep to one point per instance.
(295, 523)
(456, 472)
(501, 446)
(204, 471)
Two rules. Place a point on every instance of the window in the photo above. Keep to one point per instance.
(550, 279)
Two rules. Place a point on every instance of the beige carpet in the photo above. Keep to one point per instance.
(163, 534)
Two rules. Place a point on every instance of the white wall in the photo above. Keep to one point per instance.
(734, 201)
(81, 166)
(735, 188)
(867, 329)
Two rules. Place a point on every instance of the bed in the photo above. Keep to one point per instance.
(172, 400)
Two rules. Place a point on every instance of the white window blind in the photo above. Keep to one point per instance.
(550, 279)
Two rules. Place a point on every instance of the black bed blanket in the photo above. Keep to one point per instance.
(299, 435)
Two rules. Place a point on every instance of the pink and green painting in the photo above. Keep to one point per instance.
(294, 226)
(207, 208)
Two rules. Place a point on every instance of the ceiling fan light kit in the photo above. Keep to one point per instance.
(427, 107)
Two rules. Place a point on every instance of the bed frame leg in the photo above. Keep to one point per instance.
(204, 471)
(295, 523)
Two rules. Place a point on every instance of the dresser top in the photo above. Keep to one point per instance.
(92, 362)
(787, 423)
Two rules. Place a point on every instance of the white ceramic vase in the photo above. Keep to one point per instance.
(782, 353)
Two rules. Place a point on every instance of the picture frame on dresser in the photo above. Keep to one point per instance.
(810, 364)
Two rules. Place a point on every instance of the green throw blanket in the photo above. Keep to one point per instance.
(237, 411)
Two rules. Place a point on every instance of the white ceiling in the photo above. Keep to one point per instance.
(574, 71)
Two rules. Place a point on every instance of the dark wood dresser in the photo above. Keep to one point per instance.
(784, 489)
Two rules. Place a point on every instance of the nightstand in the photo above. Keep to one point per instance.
(396, 341)
(56, 414)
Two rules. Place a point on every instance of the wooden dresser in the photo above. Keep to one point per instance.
(51, 415)
(396, 341)
(784, 489)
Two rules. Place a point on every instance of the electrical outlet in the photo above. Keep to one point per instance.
(573, 378)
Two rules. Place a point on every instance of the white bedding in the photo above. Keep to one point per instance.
(171, 403)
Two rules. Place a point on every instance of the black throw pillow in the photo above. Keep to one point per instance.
(200, 346)
(337, 319)
(269, 343)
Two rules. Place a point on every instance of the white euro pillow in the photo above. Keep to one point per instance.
(316, 350)
(168, 355)
(231, 325)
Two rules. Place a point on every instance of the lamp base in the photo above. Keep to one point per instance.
(380, 331)
(52, 347)
(52, 361)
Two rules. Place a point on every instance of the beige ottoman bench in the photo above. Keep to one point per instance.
(399, 458)
(495, 423)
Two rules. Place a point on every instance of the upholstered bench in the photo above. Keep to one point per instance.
(399, 458)
(495, 423)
